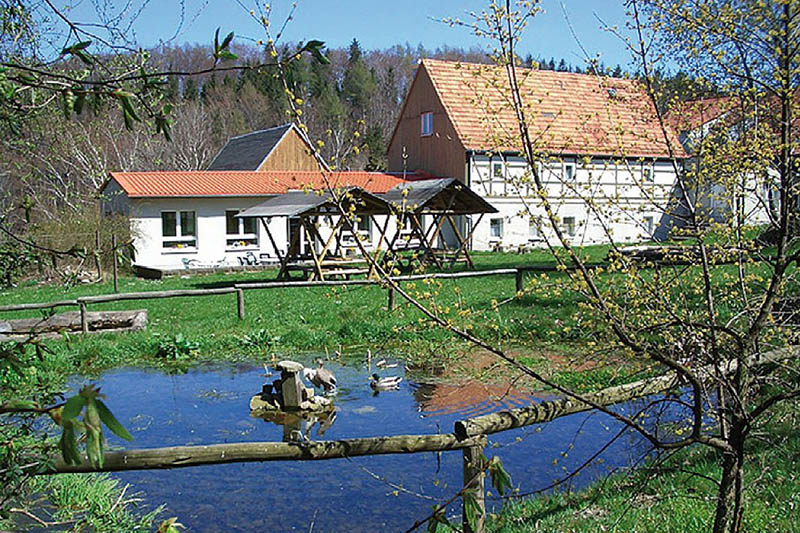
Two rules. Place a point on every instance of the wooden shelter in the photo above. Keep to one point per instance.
(444, 200)
(308, 251)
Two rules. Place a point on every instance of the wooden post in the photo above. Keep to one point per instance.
(114, 257)
(518, 275)
(240, 303)
(474, 477)
(84, 318)
(97, 254)
(390, 305)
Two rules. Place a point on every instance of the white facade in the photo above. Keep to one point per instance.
(595, 199)
(168, 232)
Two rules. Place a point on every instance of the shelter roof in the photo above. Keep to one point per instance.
(296, 203)
(438, 196)
(207, 183)
(566, 113)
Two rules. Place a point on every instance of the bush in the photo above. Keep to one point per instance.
(176, 348)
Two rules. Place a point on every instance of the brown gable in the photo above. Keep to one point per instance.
(293, 152)
(566, 113)
(440, 153)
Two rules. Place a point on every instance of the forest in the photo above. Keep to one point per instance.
(51, 169)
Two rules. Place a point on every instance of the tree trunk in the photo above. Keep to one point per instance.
(728, 516)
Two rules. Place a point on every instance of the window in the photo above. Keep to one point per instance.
(498, 183)
(179, 229)
(364, 226)
(569, 226)
(496, 228)
(534, 228)
(648, 225)
(426, 124)
(240, 232)
(568, 172)
(647, 173)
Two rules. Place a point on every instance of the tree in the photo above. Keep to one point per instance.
(709, 314)
(91, 73)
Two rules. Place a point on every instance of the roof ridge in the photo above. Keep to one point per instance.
(519, 67)
(273, 128)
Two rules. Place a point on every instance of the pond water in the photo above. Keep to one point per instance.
(381, 493)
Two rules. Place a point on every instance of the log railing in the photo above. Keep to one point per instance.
(238, 289)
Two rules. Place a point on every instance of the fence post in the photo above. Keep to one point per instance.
(474, 477)
(240, 303)
(390, 305)
(84, 318)
(518, 276)
(97, 255)
(114, 257)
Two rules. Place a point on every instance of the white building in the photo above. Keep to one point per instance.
(604, 161)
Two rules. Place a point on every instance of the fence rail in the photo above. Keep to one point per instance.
(239, 288)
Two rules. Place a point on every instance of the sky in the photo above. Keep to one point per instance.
(379, 24)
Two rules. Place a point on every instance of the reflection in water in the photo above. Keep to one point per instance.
(297, 426)
(468, 399)
(211, 405)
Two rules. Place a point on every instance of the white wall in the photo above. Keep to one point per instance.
(145, 216)
(602, 193)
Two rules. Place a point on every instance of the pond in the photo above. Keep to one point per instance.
(210, 404)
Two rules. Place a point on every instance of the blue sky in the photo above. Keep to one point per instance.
(380, 24)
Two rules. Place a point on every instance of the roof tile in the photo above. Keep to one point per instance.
(198, 183)
(566, 113)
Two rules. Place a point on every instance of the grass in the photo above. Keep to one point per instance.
(302, 319)
(80, 502)
(675, 495)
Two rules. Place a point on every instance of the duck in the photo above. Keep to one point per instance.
(321, 377)
(388, 383)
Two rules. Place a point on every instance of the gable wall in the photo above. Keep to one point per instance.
(441, 154)
(291, 153)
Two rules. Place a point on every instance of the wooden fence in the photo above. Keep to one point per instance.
(239, 288)
(469, 435)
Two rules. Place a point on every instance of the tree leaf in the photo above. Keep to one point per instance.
(225, 55)
(73, 407)
(111, 422)
(227, 40)
(69, 448)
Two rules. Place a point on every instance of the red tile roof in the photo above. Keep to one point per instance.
(692, 114)
(566, 113)
(247, 183)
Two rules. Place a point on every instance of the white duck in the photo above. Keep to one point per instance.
(388, 383)
(321, 377)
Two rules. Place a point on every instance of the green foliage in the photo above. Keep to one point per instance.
(176, 348)
(15, 259)
(90, 502)
(261, 340)
(677, 494)
(96, 414)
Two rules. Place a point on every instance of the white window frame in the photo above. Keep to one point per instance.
(569, 165)
(569, 228)
(535, 232)
(648, 173)
(426, 124)
(649, 225)
(240, 240)
(497, 183)
(179, 239)
(495, 223)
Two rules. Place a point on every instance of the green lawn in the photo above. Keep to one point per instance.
(679, 495)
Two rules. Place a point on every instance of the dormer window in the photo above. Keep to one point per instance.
(426, 122)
